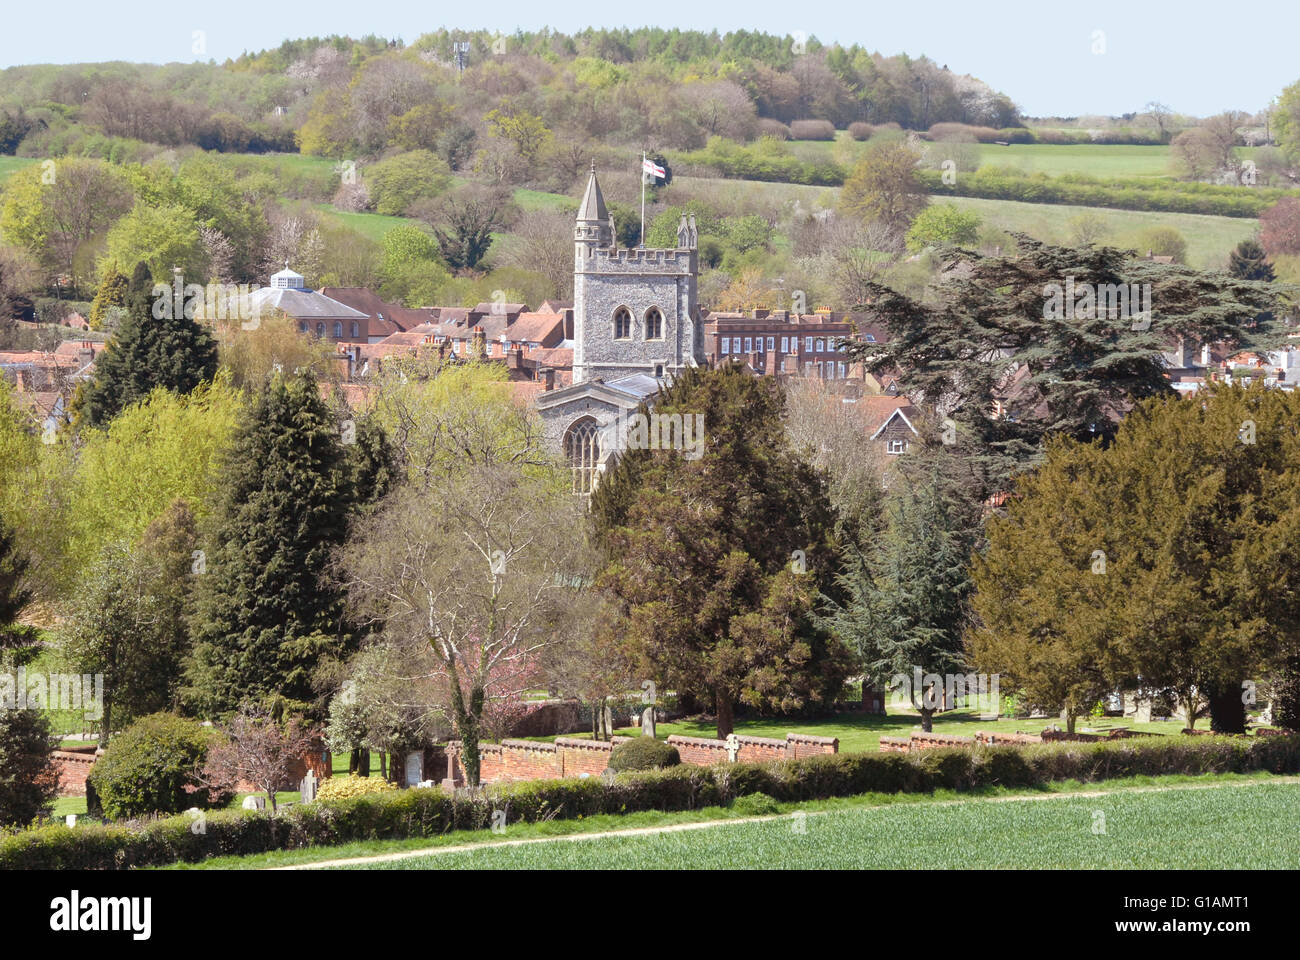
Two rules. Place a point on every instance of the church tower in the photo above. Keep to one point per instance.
(635, 311)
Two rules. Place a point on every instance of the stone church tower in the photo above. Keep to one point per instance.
(634, 311)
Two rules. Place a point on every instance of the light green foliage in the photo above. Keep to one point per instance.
(162, 236)
(398, 182)
(941, 224)
(150, 454)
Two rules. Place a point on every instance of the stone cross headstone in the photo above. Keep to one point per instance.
(648, 722)
(733, 747)
(308, 787)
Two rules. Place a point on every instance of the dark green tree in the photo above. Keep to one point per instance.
(1018, 347)
(903, 604)
(29, 780)
(266, 612)
(156, 345)
(14, 591)
(718, 560)
(1248, 261)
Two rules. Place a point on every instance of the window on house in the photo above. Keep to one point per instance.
(821, 346)
(771, 343)
(821, 371)
(807, 344)
(622, 324)
(735, 344)
(654, 324)
(785, 344)
(338, 329)
(659, 371)
(302, 325)
(582, 450)
(844, 370)
(749, 344)
(320, 329)
(356, 330)
(897, 446)
(808, 368)
(726, 345)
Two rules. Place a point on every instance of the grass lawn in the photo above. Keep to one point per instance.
(1209, 239)
(861, 732)
(1228, 826)
(371, 225)
(655, 819)
(540, 200)
(9, 165)
(1097, 160)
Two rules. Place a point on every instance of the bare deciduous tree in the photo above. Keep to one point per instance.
(258, 751)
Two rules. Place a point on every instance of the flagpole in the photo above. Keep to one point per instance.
(642, 198)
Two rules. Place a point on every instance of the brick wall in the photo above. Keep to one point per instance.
(572, 757)
(73, 765)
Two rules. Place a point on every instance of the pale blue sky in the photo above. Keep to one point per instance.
(1198, 57)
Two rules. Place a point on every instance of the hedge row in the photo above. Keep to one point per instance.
(432, 811)
(1122, 194)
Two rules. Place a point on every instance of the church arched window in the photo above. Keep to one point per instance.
(338, 329)
(582, 450)
(356, 330)
(622, 324)
(654, 324)
(320, 329)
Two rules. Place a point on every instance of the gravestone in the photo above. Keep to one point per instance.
(414, 768)
(308, 787)
(254, 803)
(648, 722)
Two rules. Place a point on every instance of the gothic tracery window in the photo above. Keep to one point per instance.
(582, 450)
(654, 324)
(622, 324)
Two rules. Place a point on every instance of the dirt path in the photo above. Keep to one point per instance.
(708, 824)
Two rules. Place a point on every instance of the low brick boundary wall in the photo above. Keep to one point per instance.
(73, 765)
(572, 757)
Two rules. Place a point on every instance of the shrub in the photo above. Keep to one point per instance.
(427, 812)
(755, 805)
(812, 130)
(767, 127)
(29, 780)
(643, 753)
(344, 788)
(860, 131)
(151, 767)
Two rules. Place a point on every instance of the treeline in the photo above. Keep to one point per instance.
(343, 97)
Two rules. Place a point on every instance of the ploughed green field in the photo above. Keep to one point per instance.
(1239, 826)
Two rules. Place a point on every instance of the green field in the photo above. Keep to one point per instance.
(370, 225)
(1095, 161)
(9, 165)
(1209, 239)
(1238, 826)
(655, 819)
